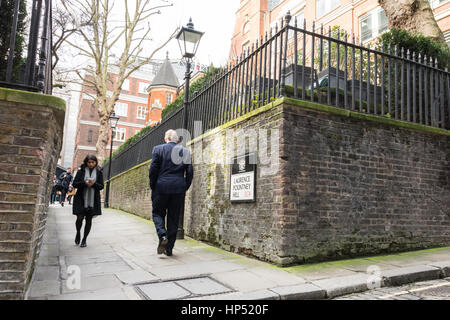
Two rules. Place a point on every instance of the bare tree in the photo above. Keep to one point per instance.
(414, 16)
(100, 36)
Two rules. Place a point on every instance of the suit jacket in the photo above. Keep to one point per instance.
(171, 169)
(66, 179)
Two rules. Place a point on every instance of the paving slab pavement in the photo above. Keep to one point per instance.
(121, 263)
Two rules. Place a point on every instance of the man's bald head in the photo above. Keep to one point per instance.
(171, 136)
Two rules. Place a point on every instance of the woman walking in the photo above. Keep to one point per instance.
(86, 203)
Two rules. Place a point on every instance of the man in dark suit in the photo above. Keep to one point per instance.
(66, 180)
(171, 174)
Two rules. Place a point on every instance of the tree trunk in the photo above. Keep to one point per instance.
(414, 16)
(103, 132)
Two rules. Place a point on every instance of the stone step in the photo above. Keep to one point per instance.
(15, 236)
(16, 226)
(21, 206)
(7, 196)
(16, 216)
(12, 286)
(10, 255)
(12, 265)
(17, 192)
(15, 246)
(19, 178)
(19, 187)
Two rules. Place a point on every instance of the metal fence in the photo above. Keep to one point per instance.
(32, 72)
(322, 67)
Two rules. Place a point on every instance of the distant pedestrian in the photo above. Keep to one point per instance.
(66, 180)
(70, 193)
(171, 174)
(53, 192)
(86, 203)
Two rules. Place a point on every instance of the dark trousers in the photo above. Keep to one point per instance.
(170, 205)
(53, 195)
(62, 197)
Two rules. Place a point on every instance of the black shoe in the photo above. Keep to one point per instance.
(77, 239)
(162, 244)
(83, 244)
(168, 252)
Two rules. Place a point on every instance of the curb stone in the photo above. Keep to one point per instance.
(340, 286)
(401, 276)
(306, 291)
(444, 266)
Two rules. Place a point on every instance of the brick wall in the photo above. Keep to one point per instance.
(347, 185)
(131, 192)
(30, 143)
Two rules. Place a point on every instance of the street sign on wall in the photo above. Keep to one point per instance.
(243, 179)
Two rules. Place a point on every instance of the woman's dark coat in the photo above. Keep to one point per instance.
(79, 184)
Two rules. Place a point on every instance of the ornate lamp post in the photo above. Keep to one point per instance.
(113, 119)
(188, 41)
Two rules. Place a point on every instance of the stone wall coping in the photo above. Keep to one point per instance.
(312, 106)
(364, 116)
(32, 98)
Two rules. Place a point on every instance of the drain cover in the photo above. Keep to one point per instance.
(181, 289)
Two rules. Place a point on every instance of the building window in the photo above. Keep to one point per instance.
(273, 3)
(93, 109)
(325, 6)
(436, 3)
(120, 134)
(246, 46)
(157, 104)
(90, 134)
(246, 28)
(141, 112)
(121, 109)
(143, 87)
(126, 85)
(169, 98)
(447, 37)
(373, 24)
(300, 19)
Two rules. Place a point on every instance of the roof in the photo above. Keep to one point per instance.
(166, 76)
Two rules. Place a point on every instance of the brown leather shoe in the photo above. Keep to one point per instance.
(162, 244)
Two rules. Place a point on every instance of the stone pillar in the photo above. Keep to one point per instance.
(31, 132)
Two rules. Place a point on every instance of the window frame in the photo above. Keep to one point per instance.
(125, 114)
(120, 130)
(141, 110)
(318, 15)
(374, 15)
(126, 81)
(142, 85)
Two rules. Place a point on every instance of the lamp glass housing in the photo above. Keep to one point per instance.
(188, 41)
(113, 120)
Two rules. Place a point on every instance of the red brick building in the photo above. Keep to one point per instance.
(365, 18)
(163, 91)
(131, 108)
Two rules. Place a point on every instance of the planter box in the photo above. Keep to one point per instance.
(308, 72)
(323, 78)
(364, 91)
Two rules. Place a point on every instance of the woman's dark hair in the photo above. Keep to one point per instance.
(90, 157)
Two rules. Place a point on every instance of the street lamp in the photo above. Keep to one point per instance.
(188, 41)
(113, 119)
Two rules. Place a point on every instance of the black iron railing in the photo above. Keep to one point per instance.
(34, 71)
(319, 67)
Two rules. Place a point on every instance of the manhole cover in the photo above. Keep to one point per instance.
(181, 289)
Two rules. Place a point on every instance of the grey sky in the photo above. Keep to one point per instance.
(214, 17)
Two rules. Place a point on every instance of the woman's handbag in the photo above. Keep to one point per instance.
(72, 193)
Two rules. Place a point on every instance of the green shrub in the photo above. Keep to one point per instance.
(195, 86)
(416, 43)
(6, 21)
